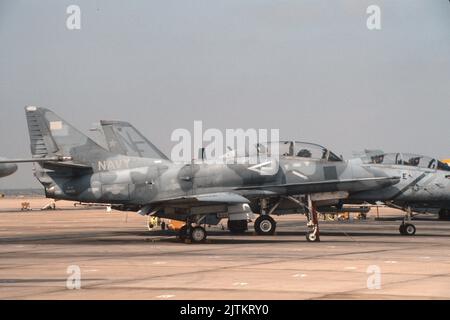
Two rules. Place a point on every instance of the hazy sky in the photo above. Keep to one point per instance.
(310, 68)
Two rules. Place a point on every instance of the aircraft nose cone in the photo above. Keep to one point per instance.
(7, 169)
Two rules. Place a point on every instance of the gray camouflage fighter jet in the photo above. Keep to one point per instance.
(123, 138)
(424, 184)
(197, 193)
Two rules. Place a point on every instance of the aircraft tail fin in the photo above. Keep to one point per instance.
(122, 138)
(52, 136)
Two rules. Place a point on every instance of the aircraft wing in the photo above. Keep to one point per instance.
(51, 163)
(197, 200)
(350, 185)
(213, 198)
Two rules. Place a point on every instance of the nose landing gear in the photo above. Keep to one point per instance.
(313, 234)
(407, 228)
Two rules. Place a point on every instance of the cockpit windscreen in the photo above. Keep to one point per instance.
(408, 159)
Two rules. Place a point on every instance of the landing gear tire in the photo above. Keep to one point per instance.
(311, 236)
(198, 234)
(237, 226)
(407, 229)
(265, 225)
(183, 233)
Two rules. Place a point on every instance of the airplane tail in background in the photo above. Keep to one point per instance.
(52, 136)
(122, 138)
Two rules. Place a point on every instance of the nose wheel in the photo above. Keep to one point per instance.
(407, 228)
(312, 236)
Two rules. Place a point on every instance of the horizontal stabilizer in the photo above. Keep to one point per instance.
(69, 165)
(59, 159)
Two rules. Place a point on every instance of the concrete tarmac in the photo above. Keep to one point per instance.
(118, 258)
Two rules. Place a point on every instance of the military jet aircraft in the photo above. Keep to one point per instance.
(424, 184)
(123, 138)
(6, 168)
(198, 193)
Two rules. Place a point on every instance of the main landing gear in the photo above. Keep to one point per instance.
(198, 234)
(266, 225)
(407, 228)
(194, 233)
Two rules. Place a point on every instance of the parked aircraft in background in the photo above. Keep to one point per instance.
(424, 184)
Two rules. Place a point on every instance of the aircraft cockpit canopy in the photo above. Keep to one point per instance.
(408, 159)
(297, 149)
